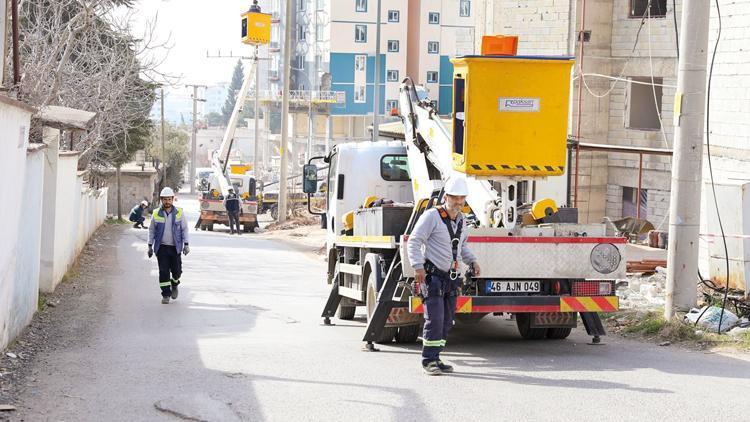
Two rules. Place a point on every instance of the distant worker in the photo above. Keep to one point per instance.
(168, 237)
(435, 246)
(232, 205)
(136, 215)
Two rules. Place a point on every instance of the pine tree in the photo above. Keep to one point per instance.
(234, 88)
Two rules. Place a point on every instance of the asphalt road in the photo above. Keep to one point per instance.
(245, 342)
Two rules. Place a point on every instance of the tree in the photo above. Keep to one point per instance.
(234, 88)
(214, 119)
(81, 54)
(176, 149)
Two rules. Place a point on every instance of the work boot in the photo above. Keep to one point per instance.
(165, 300)
(143, 227)
(135, 226)
(432, 368)
(444, 367)
(175, 292)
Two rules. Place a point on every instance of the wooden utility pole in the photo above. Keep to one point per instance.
(194, 136)
(687, 161)
(163, 149)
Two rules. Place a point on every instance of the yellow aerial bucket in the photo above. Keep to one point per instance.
(256, 26)
(510, 115)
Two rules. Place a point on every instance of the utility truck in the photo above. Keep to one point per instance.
(256, 30)
(507, 136)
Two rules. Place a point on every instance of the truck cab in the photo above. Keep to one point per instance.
(360, 170)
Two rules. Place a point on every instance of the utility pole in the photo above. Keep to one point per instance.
(163, 154)
(194, 135)
(376, 88)
(256, 139)
(285, 111)
(687, 161)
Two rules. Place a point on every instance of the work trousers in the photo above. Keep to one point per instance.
(234, 221)
(439, 309)
(170, 262)
(138, 220)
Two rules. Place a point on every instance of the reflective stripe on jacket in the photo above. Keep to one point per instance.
(179, 229)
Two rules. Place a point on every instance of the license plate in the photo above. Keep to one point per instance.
(513, 286)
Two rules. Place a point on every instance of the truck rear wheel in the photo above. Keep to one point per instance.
(558, 333)
(523, 322)
(274, 212)
(210, 227)
(387, 333)
(346, 312)
(408, 333)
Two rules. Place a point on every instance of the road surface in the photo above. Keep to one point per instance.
(245, 342)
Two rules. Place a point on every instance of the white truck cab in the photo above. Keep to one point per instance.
(362, 169)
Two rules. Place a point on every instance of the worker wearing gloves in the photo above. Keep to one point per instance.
(435, 246)
(232, 205)
(136, 215)
(168, 237)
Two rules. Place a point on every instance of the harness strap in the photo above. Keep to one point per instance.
(455, 239)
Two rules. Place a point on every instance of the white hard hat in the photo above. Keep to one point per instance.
(231, 189)
(144, 203)
(166, 192)
(457, 186)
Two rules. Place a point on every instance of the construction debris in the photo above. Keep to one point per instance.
(646, 265)
(642, 292)
(709, 317)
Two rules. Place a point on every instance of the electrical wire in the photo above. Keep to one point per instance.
(710, 165)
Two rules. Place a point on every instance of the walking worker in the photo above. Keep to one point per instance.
(232, 205)
(435, 246)
(168, 237)
(136, 215)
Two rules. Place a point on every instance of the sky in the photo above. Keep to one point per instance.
(193, 28)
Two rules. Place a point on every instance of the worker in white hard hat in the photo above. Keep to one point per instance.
(136, 215)
(168, 238)
(435, 247)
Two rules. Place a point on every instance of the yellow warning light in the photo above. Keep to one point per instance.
(256, 26)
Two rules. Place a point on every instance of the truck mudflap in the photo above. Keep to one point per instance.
(490, 304)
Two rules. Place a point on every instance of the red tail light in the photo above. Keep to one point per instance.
(593, 288)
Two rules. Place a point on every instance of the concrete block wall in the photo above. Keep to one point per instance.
(135, 186)
(614, 202)
(541, 25)
(658, 208)
(730, 86)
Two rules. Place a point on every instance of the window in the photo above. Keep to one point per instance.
(361, 5)
(394, 15)
(301, 32)
(433, 47)
(642, 109)
(392, 76)
(360, 33)
(393, 46)
(394, 168)
(630, 202)
(359, 94)
(391, 105)
(432, 77)
(360, 62)
(639, 8)
(434, 18)
(464, 8)
(301, 62)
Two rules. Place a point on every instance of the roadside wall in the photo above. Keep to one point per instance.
(14, 134)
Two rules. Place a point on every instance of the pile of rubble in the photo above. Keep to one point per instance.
(642, 291)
